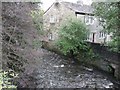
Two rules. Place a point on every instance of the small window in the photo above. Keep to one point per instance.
(89, 20)
(52, 19)
(102, 34)
(51, 36)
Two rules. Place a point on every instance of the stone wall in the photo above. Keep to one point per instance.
(108, 60)
(60, 13)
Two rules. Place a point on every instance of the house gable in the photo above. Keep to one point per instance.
(54, 16)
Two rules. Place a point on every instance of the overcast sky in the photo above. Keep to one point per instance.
(47, 3)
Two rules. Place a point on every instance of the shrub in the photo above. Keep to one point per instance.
(6, 79)
(72, 38)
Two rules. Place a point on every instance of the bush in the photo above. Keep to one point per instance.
(6, 79)
(72, 38)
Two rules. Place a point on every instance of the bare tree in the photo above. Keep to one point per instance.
(18, 33)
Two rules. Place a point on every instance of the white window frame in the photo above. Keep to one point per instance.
(50, 36)
(89, 20)
(102, 34)
(52, 19)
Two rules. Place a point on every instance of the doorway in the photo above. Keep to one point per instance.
(93, 40)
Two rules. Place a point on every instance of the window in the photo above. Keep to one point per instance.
(52, 19)
(51, 36)
(89, 20)
(101, 34)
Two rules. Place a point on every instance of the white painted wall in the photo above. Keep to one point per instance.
(95, 28)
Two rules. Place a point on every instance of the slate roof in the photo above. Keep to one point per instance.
(86, 9)
(79, 8)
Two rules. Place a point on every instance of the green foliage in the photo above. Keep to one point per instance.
(72, 36)
(115, 44)
(5, 77)
(110, 18)
(37, 16)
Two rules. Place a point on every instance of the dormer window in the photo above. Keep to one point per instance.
(89, 20)
(52, 19)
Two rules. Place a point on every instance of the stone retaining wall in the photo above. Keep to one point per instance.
(107, 60)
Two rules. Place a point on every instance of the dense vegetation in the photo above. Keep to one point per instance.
(109, 12)
(72, 36)
(17, 38)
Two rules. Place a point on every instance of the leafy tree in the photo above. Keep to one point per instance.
(72, 36)
(110, 18)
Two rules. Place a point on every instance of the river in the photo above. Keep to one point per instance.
(54, 71)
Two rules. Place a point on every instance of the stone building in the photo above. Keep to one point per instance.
(60, 11)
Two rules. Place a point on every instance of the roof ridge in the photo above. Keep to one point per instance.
(76, 7)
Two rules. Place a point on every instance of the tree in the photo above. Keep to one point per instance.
(72, 36)
(109, 12)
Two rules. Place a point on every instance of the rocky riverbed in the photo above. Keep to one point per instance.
(50, 70)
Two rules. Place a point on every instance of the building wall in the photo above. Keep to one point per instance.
(96, 28)
(60, 14)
